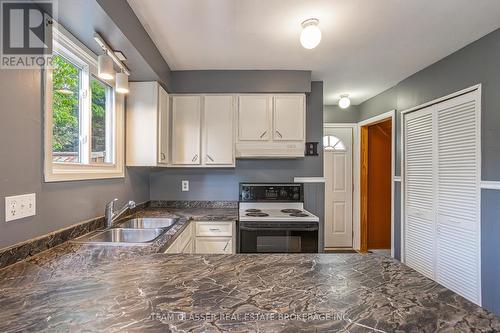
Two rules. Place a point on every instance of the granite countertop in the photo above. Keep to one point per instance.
(212, 293)
(94, 289)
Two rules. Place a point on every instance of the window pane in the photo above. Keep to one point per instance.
(66, 111)
(101, 136)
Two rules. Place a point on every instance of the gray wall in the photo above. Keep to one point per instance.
(334, 114)
(122, 15)
(241, 81)
(478, 62)
(21, 168)
(222, 184)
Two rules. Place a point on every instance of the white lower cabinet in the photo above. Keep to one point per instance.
(214, 245)
(215, 237)
(184, 242)
(206, 237)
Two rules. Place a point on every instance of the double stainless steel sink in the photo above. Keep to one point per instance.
(131, 232)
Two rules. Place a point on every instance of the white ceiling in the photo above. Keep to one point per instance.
(367, 46)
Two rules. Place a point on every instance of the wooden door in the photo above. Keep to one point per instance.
(338, 186)
(219, 130)
(186, 130)
(289, 117)
(254, 117)
(379, 185)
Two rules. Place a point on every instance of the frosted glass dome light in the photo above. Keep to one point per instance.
(311, 34)
(344, 101)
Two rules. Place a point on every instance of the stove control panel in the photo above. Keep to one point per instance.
(264, 192)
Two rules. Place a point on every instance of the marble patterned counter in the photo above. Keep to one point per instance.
(233, 293)
(79, 288)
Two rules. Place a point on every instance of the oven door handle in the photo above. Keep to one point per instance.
(278, 228)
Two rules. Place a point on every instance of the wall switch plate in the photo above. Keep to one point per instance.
(20, 206)
(185, 185)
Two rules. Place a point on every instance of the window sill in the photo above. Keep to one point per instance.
(64, 172)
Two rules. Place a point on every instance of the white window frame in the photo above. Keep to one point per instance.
(69, 46)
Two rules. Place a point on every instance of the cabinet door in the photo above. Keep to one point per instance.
(254, 117)
(163, 126)
(189, 247)
(174, 248)
(186, 130)
(289, 117)
(219, 130)
(214, 245)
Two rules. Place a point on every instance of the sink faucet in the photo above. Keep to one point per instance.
(111, 216)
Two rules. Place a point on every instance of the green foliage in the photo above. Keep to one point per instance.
(98, 115)
(66, 124)
(66, 80)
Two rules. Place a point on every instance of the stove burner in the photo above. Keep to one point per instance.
(299, 214)
(291, 211)
(253, 210)
(257, 214)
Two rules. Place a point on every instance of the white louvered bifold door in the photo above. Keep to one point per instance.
(419, 229)
(458, 264)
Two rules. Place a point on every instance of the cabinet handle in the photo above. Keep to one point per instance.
(225, 247)
(214, 229)
(262, 135)
(210, 158)
(162, 156)
(278, 132)
(194, 158)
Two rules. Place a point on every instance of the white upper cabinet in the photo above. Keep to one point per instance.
(289, 117)
(271, 126)
(186, 130)
(164, 123)
(147, 125)
(254, 117)
(218, 126)
(203, 131)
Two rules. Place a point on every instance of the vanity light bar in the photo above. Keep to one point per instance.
(111, 53)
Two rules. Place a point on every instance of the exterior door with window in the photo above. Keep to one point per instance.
(337, 145)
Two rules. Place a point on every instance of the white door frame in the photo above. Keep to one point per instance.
(355, 161)
(357, 166)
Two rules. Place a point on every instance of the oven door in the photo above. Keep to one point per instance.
(278, 237)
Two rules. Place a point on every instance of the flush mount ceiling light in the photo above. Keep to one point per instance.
(105, 67)
(311, 34)
(344, 101)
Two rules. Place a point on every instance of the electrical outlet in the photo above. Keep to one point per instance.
(20, 206)
(185, 185)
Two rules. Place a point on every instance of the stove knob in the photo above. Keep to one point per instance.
(296, 196)
(245, 195)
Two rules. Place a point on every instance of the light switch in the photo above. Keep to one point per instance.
(185, 185)
(20, 206)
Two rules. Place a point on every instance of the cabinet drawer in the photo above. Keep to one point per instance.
(214, 229)
(214, 245)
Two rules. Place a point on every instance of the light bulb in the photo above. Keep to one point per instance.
(344, 101)
(311, 34)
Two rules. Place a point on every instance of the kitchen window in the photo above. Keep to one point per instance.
(83, 116)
